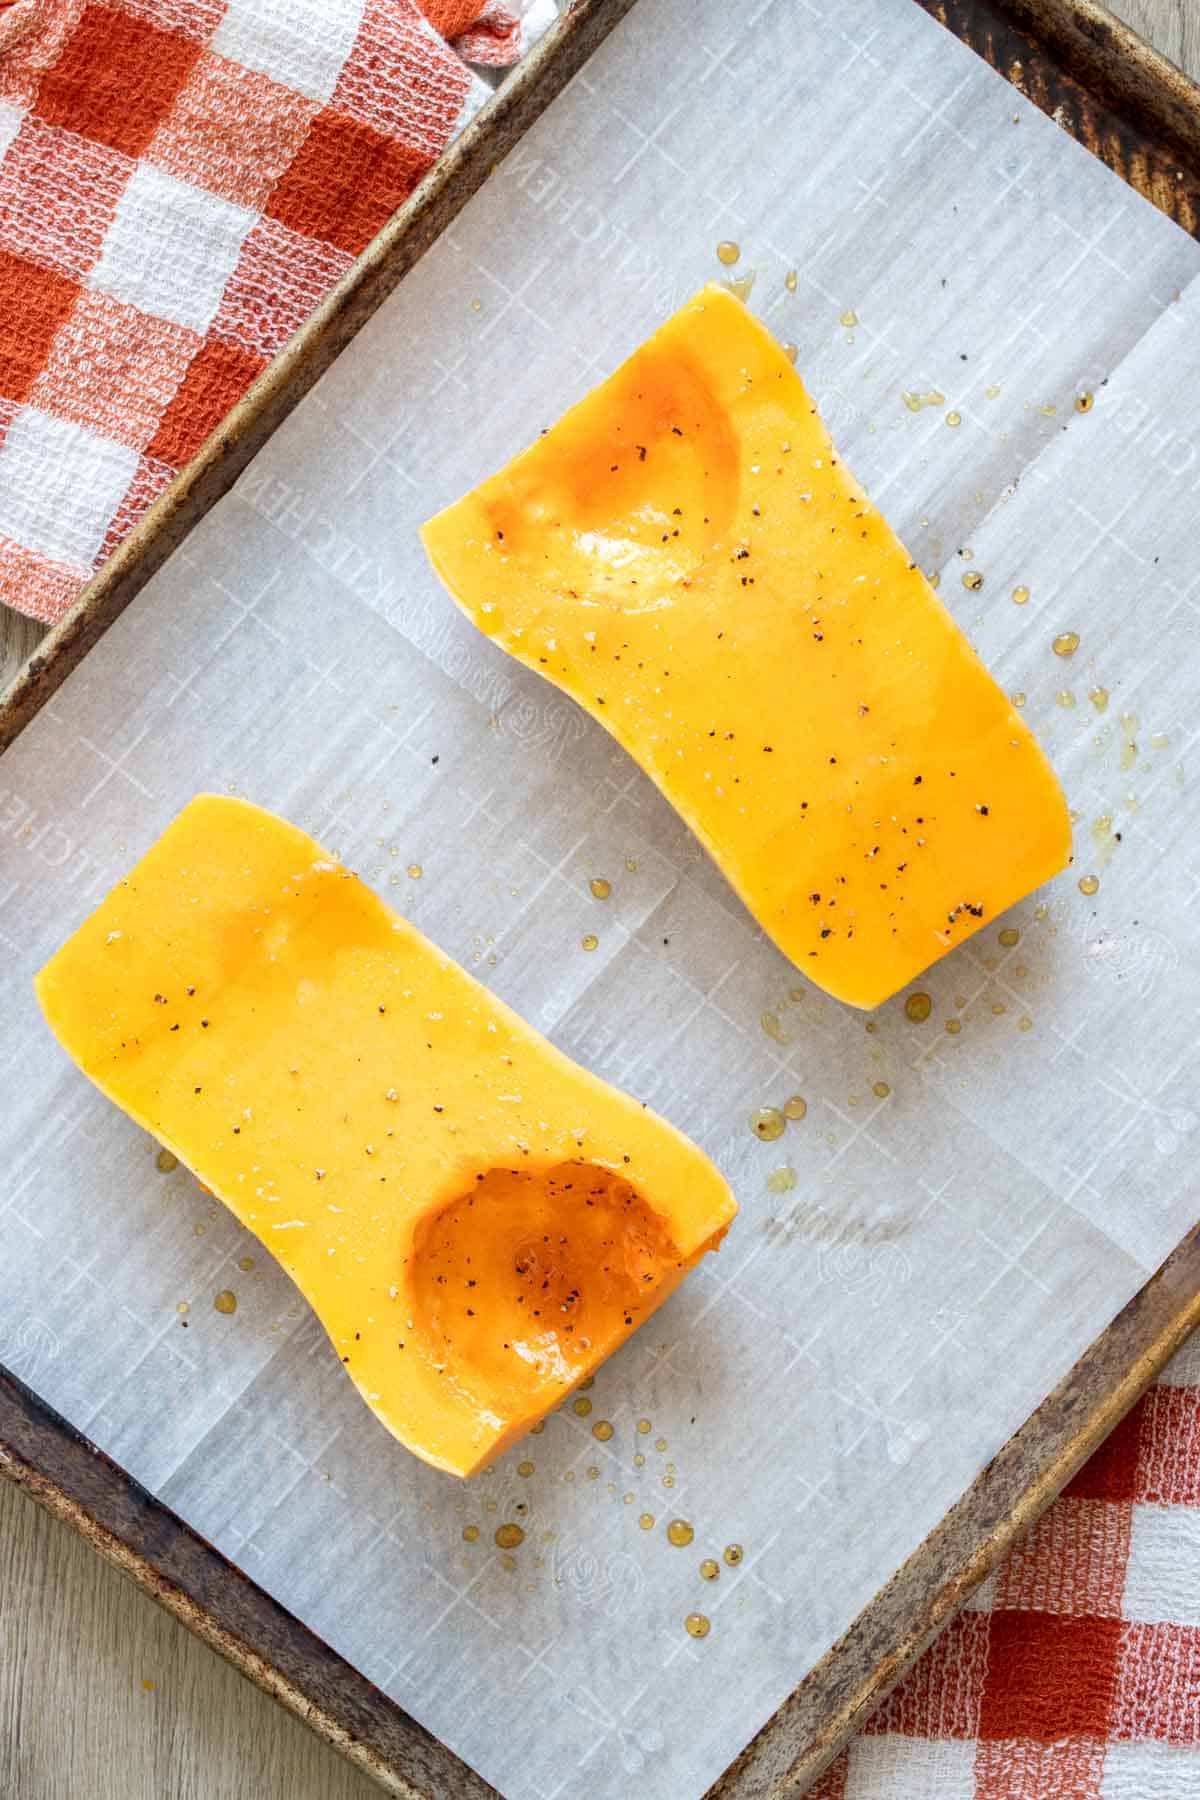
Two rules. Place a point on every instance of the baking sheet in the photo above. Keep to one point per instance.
(829, 1384)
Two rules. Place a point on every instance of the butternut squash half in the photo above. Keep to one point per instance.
(686, 555)
(476, 1220)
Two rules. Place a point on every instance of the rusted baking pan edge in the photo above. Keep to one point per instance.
(305, 357)
(79, 1484)
(76, 1482)
(1142, 117)
(1132, 107)
(1036, 1463)
(1101, 82)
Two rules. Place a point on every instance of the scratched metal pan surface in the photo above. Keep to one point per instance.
(1141, 116)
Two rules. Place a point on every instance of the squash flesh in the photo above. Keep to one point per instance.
(685, 554)
(346, 1089)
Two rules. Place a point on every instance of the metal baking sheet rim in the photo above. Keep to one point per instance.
(1141, 115)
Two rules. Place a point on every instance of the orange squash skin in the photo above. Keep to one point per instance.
(686, 555)
(476, 1220)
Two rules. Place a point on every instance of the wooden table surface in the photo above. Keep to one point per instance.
(102, 1695)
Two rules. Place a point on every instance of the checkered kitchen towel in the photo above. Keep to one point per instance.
(180, 182)
(1075, 1674)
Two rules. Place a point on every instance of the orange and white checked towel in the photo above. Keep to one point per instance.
(180, 183)
(1075, 1675)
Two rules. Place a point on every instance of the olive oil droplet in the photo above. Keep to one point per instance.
(881, 1090)
(225, 1301)
(728, 252)
(710, 1569)
(1104, 839)
(471, 1534)
(1089, 884)
(1020, 596)
(918, 1008)
(590, 941)
(643, 1426)
(646, 1521)
(525, 1469)
(768, 1124)
(603, 1430)
(1010, 937)
(733, 1554)
(509, 1536)
(696, 1625)
(781, 1181)
(1066, 643)
(1129, 749)
(581, 1406)
(796, 1107)
(680, 1533)
(773, 1029)
(166, 1161)
(600, 888)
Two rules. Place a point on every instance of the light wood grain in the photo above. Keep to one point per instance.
(77, 1643)
(18, 638)
(1172, 26)
(77, 1640)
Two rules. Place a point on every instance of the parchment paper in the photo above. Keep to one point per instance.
(827, 1386)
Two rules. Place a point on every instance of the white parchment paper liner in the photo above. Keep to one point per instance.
(830, 1384)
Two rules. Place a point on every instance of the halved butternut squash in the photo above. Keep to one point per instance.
(686, 555)
(476, 1220)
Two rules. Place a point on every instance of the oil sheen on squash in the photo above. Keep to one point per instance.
(476, 1220)
(687, 556)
